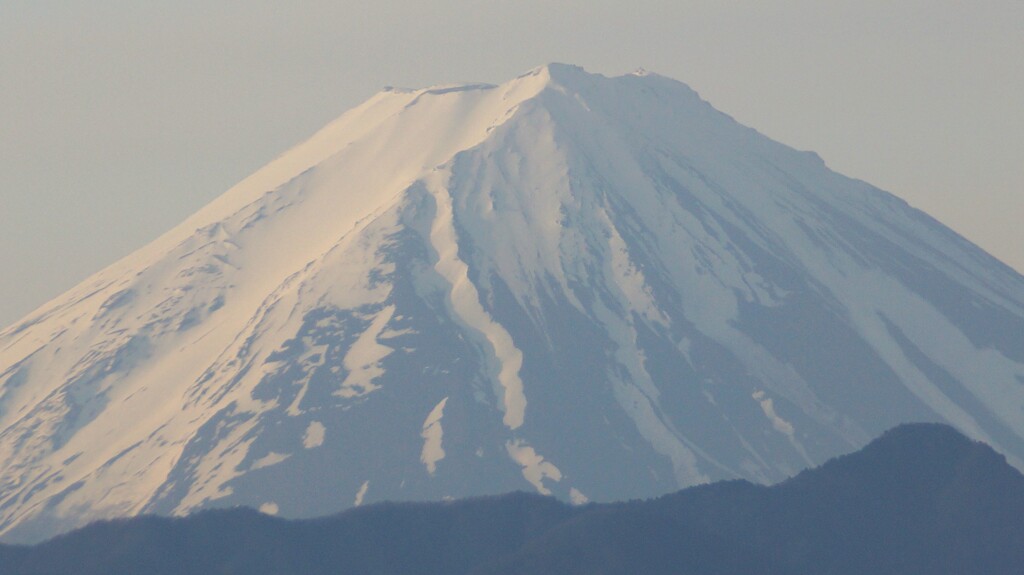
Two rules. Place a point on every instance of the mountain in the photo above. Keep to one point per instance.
(598, 288)
(921, 499)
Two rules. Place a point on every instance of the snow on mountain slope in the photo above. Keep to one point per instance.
(594, 287)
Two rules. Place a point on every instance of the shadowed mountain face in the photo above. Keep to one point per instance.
(596, 288)
(921, 499)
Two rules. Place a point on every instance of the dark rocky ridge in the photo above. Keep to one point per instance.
(920, 499)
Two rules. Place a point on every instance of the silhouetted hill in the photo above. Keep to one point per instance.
(920, 499)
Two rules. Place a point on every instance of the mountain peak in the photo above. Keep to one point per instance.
(596, 288)
(567, 73)
(573, 78)
(555, 73)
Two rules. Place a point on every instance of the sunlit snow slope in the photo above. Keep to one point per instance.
(593, 287)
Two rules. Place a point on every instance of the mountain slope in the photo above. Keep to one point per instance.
(593, 287)
(921, 499)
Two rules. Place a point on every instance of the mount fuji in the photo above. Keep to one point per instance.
(598, 288)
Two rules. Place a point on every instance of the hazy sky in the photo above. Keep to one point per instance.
(120, 118)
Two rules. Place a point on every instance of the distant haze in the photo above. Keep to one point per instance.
(118, 119)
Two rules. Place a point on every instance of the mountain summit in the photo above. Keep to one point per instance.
(600, 288)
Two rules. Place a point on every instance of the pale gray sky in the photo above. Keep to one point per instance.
(119, 118)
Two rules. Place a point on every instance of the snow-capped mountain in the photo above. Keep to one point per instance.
(593, 287)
